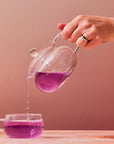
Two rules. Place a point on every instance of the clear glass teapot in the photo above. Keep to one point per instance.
(52, 65)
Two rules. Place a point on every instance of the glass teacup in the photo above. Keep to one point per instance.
(23, 125)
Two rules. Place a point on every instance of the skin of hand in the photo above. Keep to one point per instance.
(96, 29)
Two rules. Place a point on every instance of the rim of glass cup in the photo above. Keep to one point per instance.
(7, 116)
(34, 114)
(17, 116)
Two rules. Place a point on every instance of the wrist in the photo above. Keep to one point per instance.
(111, 20)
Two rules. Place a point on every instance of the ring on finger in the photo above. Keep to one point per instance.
(85, 38)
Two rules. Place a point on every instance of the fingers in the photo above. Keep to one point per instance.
(75, 35)
(94, 42)
(81, 42)
(61, 26)
(88, 45)
(69, 29)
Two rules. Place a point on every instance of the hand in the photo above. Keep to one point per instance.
(96, 29)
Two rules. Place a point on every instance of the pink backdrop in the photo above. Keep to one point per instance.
(86, 101)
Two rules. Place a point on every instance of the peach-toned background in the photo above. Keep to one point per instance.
(86, 101)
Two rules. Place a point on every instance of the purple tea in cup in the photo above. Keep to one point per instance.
(23, 128)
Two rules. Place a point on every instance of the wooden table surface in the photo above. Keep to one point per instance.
(64, 137)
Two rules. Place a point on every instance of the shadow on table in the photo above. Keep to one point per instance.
(52, 137)
(107, 137)
(102, 137)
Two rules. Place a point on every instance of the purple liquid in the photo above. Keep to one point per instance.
(23, 129)
(50, 82)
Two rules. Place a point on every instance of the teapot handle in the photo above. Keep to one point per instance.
(77, 48)
(58, 35)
